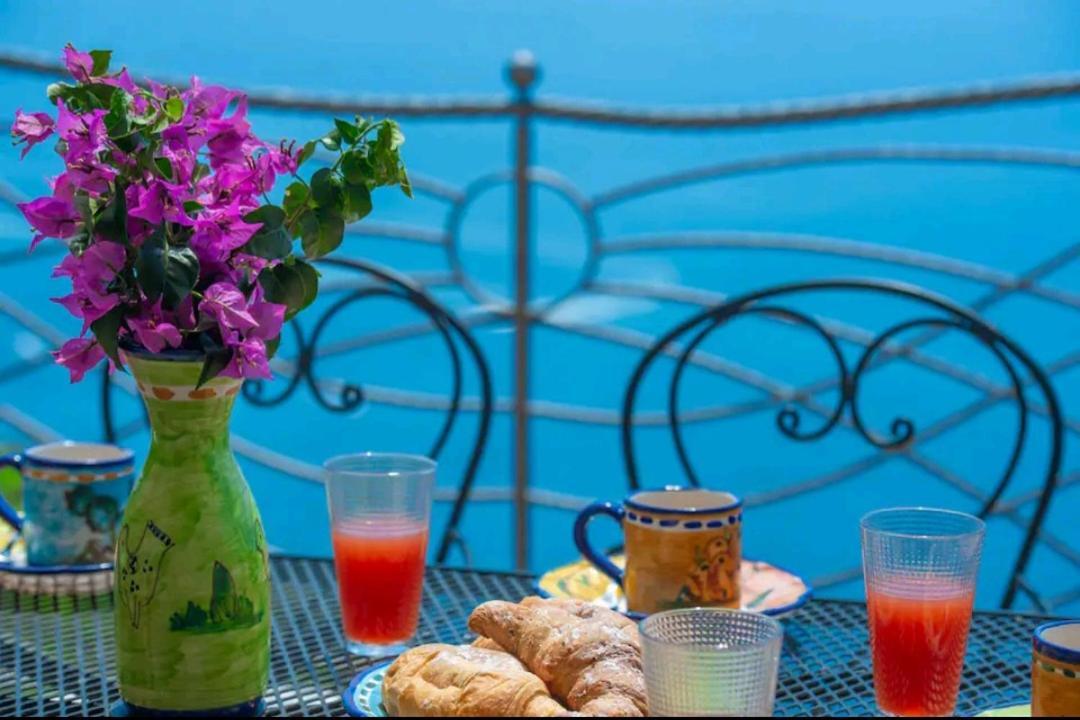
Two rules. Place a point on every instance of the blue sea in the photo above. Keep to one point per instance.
(641, 54)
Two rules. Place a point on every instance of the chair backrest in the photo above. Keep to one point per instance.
(338, 397)
(682, 341)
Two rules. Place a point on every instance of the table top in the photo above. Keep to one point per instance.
(57, 657)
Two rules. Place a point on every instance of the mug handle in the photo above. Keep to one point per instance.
(581, 537)
(8, 513)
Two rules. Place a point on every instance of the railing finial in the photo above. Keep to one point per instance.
(523, 70)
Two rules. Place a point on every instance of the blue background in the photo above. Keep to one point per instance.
(641, 54)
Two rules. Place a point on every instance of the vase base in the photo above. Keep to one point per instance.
(251, 708)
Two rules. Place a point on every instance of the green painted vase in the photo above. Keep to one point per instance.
(192, 580)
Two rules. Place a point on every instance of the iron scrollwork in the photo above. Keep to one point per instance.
(902, 430)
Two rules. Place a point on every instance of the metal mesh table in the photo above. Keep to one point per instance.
(56, 653)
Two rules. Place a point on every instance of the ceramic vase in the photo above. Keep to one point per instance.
(192, 594)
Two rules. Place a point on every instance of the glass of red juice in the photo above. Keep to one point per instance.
(920, 566)
(380, 507)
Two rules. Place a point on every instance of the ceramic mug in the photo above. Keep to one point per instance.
(73, 498)
(1055, 670)
(683, 548)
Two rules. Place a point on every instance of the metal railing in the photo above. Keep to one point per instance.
(523, 313)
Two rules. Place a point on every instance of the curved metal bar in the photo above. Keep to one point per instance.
(486, 389)
(903, 430)
(536, 176)
(440, 324)
(788, 419)
(1031, 157)
(792, 112)
(817, 111)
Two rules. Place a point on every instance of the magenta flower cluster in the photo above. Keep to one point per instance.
(163, 204)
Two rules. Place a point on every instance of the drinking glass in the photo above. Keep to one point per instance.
(919, 565)
(710, 662)
(380, 507)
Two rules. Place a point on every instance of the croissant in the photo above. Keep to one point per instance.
(464, 681)
(590, 657)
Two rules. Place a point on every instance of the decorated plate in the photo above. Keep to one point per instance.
(16, 574)
(765, 588)
(364, 696)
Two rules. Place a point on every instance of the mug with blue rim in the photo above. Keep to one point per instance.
(1055, 670)
(73, 499)
(683, 548)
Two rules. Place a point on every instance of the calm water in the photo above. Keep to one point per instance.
(637, 53)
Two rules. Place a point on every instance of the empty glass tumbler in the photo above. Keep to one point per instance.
(380, 507)
(710, 662)
(919, 565)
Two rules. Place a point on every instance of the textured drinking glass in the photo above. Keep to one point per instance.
(710, 662)
(380, 507)
(920, 566)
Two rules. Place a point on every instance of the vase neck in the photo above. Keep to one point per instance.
(179, 410)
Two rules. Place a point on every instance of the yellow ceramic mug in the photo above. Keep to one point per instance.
(1055, 670)
(683, 548)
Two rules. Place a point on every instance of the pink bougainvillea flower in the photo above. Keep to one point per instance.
(159, 201)
(225, 303)
(248, 361)
(218, 232)
(268, 316)
(79, 356)
(89, 306)
(227, 138)
(154, 333)
(31, 129)
(79, 64)
(91, 275)
(94, 178)
(206, 102)
(84, 135)
(51, 217)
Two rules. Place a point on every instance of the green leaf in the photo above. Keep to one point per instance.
(174, 108)
(322, 231)
(217, 357)
(306, 152)
(106, 330)
(164, 167)
(101, 61)
(58, 91)
(272, 240)
(390, 135)
(310, 276)
(191, 207)
(356, 168)
(116, 120)
(296, 197)
(325, 189)
(284, 285)
(272, 346)
(112, 220)
(332, 140)
(357, 202)
(347, 131)
(150, 266)
(166, 272)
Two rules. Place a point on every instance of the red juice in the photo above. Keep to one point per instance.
(918, 648)
(380, 573)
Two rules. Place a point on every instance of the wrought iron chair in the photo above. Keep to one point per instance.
(682, 340)
(374, 281)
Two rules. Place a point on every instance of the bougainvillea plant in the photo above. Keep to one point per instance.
(164, 205)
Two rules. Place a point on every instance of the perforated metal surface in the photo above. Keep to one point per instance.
(56, 654)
